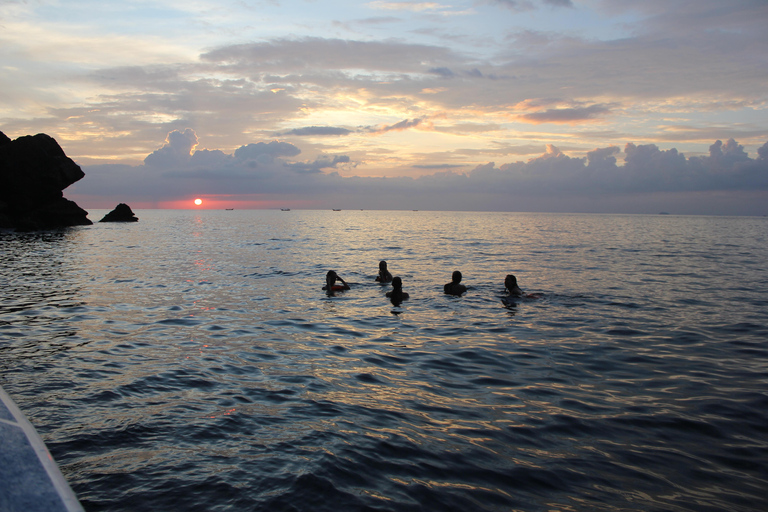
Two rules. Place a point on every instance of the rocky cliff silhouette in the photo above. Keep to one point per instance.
(33, 173)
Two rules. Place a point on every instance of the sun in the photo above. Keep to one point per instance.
(198, 201)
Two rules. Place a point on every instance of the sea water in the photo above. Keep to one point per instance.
(191, 361)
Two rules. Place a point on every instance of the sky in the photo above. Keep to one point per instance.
(593, 106)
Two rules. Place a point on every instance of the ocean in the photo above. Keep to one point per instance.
(192, 362)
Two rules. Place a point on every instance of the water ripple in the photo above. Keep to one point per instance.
(191, 361)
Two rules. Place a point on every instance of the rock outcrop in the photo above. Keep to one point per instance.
(121, 213)
(33, 173)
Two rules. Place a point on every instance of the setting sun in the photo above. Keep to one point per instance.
(198, 201)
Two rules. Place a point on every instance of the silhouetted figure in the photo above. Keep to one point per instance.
(397, 294)
(514, 293)
(384, 275)
(454, 288)
(510, 283)
(330, 283)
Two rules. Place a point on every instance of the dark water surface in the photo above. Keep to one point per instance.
(192, 362)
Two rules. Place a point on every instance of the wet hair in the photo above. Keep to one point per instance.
(382, 265)
(456, 277)
(397, 283)
(510, 281)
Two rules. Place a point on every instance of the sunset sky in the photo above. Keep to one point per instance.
(513, 105)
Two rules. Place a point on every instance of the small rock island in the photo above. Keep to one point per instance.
(121, 213)
(33, 173)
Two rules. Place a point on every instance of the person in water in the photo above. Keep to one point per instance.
(510, 283)
(384, 275)
(397, 294)
(454, 287)
(514, 292)
(330, 282)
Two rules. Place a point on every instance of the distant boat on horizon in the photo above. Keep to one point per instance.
(285, 209)
(229, 209)
(337, 209)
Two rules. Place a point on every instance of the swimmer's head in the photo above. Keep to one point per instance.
(510, 281)
(456, 277)
(331, 276)
(382, 265)
(397, 283)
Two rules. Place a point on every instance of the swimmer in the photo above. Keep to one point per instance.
(454, 288)
(384, 275)
(510, 283)
(397, 294)
(330, 282)
(514, 292)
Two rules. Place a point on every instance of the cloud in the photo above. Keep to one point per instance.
(379, 20)
(439, 166)
(443, 72)
(731, 152)
(405, 124)
(317, 131)
(211, 159)
(552, 181)
(319, 164)
(239, 89)
(527, 5)
(290, 55)
(679, 74)
(266, 152)
(405, 6)
(417, 7)
(176, 151)
(565, 115)
(763, 152)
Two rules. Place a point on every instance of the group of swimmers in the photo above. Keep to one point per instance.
(397, 294)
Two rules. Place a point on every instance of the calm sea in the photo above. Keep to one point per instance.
(191, 361)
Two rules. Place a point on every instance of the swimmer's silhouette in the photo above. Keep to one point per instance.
(397, 295)
(454, 288)
(384, 275)
(330, 283)
(515, 293)
(510, 283)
